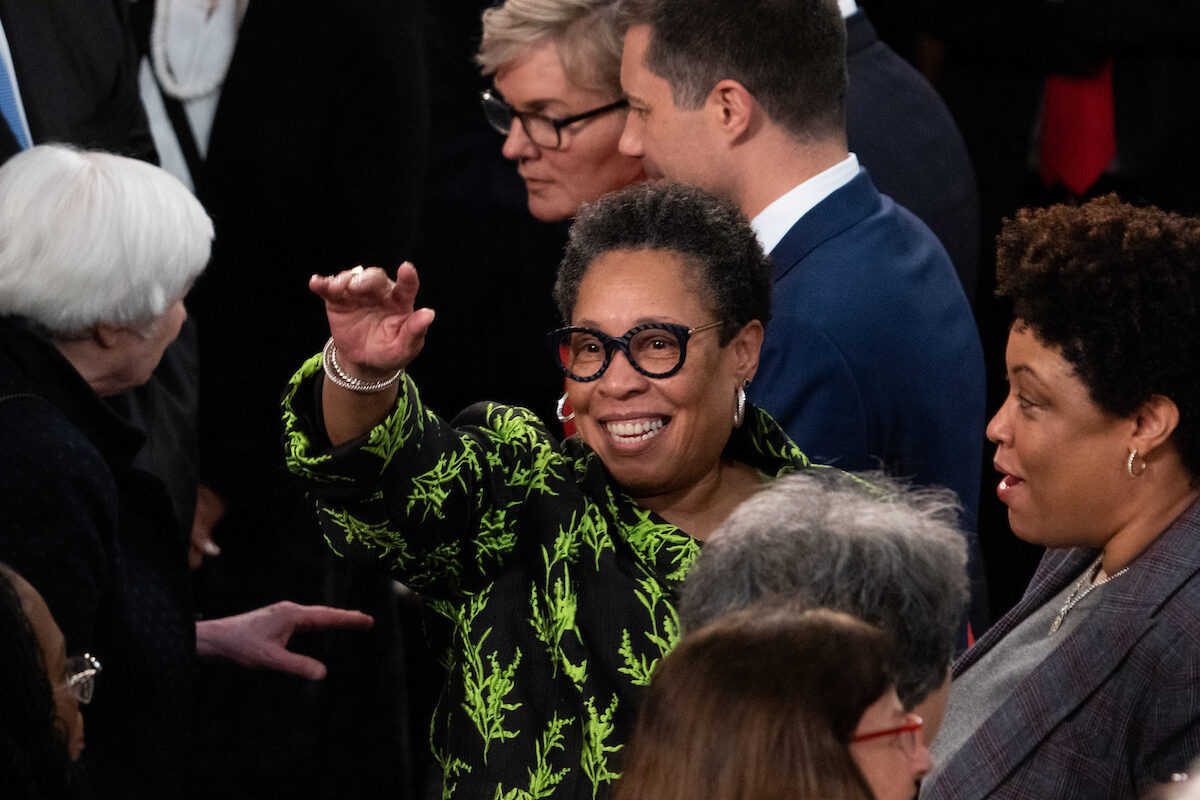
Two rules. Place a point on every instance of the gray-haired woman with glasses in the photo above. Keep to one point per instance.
(557, 99)
(554, 565)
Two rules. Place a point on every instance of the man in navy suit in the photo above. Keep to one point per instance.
(872, 357)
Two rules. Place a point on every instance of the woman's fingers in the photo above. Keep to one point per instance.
(372, 318)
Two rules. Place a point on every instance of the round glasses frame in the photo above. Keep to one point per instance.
(557, 340)
(544, 131)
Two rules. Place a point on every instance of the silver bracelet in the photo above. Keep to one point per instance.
(339, 378)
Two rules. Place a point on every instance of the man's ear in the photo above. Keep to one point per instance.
(734, 106)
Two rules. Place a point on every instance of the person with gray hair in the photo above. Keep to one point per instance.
(866, 545)
(96, 254)
(557, 99)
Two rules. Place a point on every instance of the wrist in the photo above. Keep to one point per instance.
(209, 639)
(354, 379)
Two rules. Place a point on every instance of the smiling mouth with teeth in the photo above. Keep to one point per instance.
(635, 431)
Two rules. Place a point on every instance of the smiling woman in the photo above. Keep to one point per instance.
(555, 564)
(1099, 451)
(558, 100)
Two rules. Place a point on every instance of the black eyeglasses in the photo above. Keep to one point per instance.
(656, 350)
(81, 677)
(542, 130)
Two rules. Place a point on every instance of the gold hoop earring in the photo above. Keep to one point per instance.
(1129, 465)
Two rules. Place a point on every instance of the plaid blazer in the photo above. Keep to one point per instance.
(1116, 707)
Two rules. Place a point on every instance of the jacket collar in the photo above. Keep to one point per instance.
(31, 364)
(833, 216)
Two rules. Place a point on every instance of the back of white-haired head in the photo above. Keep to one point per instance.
(869, 546)
(89, 237)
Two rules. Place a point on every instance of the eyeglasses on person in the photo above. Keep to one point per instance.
(657, 349)
(81, 677)
(907, 734)
(545, 132)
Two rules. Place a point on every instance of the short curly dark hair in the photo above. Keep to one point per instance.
(1117, 288)
(733, 274)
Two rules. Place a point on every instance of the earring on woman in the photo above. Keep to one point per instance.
(1129, 465)
(558, 411)
(739, 411)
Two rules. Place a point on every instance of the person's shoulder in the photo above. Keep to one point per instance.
(42, 446)
(505, 427)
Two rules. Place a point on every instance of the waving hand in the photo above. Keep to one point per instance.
(372, 319)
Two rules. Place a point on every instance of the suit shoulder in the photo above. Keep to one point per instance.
(42, 448)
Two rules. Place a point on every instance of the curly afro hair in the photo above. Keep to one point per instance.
(1117, 288)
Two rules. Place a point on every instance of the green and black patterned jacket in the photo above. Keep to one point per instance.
(557, 588)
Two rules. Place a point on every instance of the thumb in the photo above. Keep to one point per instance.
(286, 661)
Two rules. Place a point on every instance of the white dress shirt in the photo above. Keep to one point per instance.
(774, 221)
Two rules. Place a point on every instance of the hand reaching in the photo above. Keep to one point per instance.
(372, 319)
(258, 639)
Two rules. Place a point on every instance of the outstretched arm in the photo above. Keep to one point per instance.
(258, 639)
(376, 331)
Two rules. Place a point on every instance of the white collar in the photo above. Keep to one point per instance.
(848, 7)
(774, 221)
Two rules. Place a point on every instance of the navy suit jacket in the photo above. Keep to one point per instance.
(871, 356)
(1117, 706)
(903, 133)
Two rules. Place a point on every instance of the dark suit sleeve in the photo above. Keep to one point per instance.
(76, 65)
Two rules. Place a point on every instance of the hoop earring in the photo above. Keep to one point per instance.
(558, 411)
(1129, 465)
(739, 411)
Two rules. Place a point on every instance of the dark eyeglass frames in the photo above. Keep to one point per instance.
(543, 131)
(657, 350)
(81, 677)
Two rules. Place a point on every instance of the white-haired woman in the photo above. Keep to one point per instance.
(557, 99)
(96, 254)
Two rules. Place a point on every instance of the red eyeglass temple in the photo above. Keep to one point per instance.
(912, 726)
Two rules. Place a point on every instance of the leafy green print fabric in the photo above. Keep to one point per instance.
(556, 590)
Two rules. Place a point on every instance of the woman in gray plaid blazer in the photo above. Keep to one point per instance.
(1090, 686)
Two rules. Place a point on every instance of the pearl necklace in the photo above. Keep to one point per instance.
(1075, 597)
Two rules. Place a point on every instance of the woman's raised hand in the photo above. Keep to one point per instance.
(372, 319)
